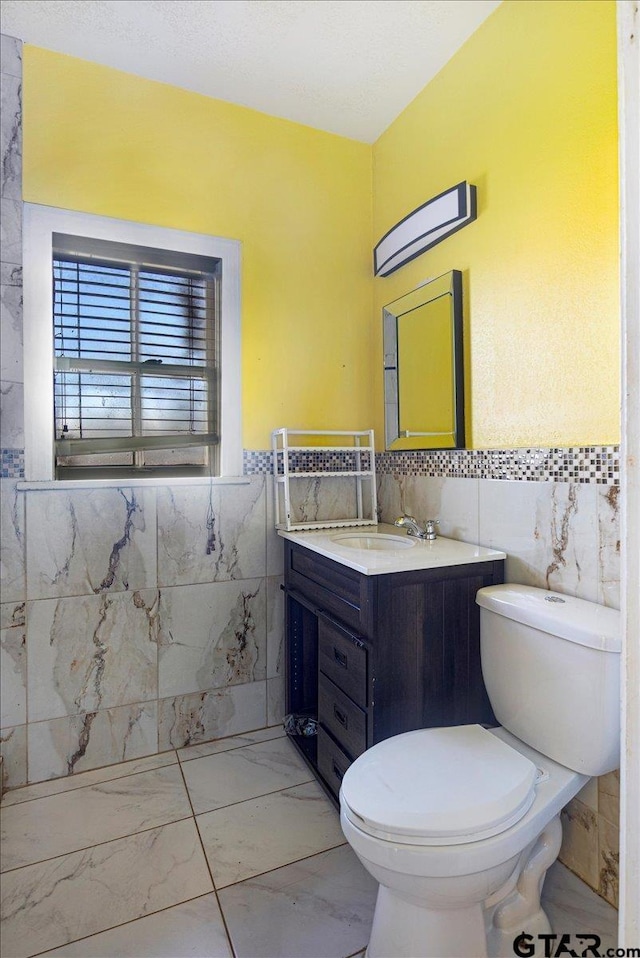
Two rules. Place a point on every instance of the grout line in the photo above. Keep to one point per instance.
(128, 774)
(206, 859)
(75, 788)
(86, 848)
(235, 748)
(253, 798)
(296, 861)
(122, 924)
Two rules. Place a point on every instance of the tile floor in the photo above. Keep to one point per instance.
(223, 849)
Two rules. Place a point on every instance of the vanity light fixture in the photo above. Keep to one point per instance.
(424, 227)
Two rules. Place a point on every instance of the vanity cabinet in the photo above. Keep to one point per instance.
(371, 656)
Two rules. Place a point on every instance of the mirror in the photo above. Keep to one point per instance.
(423, 367)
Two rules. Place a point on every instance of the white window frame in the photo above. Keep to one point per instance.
(39, 225)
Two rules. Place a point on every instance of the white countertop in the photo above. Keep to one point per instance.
(423, 554)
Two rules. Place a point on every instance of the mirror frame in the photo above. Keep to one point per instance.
(429, 292)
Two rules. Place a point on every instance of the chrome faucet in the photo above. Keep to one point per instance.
(413, 527)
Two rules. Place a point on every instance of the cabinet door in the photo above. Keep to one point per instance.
(426, 651)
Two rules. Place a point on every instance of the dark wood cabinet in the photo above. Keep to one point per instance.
(373, 656)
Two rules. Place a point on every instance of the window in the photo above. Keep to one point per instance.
(135, 360)
(141, 354)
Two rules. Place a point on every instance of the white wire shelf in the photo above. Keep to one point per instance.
(289, 510)
(331, 524)
(281, 452)
(325, 475)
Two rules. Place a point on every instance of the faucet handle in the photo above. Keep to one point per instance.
(430, 528)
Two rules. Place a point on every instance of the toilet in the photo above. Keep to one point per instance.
(459, 825)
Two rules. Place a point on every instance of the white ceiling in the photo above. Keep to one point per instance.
(345, 66)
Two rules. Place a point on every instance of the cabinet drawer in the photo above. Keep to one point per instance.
(338, 579)
(346, 721)
(332, 761)
(342, 660)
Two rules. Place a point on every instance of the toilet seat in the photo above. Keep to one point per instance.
(439, 786)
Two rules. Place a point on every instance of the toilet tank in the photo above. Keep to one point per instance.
(551, 665)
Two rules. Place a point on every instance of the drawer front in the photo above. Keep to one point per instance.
(342, 660)
(332, 761)
(346, 721)
(338, 579)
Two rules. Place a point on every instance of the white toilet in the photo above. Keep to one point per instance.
(459, 825)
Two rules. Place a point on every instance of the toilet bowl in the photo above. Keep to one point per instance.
(449, 878)
(459, 825)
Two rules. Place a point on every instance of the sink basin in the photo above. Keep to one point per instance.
(376, 541)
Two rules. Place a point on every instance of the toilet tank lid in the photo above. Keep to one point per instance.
(576, 620)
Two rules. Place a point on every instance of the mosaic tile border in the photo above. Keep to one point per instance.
(12, 464)
(261, 461)
(581, 464)
(323, 461)
(257, 462)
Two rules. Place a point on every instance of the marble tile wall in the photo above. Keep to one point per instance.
(563, 536)
(136, 620)
(11, 378)
(13, 736)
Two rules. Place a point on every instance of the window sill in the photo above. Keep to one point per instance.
(124, 483)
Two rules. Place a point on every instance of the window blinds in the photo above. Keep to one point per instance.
(135, 353)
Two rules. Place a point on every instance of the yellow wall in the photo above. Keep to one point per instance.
(106, 142)
(526, 110)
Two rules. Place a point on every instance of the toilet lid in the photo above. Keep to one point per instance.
(439, 786)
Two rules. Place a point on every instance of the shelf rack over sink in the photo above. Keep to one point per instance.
(336, 482)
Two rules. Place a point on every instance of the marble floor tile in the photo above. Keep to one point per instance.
(573, 908)
(52, 903)
(49, 827)
(94, 777)
(192, 930)
(320, 906)
(226, 744)
(231, 777)
(256, 836)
